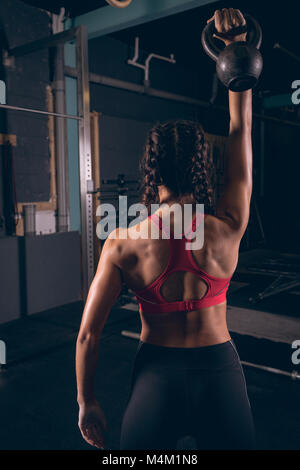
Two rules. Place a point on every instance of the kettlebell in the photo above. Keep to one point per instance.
(239, 64)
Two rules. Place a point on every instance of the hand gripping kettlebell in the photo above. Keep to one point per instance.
(239, 64)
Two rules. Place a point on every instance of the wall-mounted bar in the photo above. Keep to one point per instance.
(39, 111)
(44, 43)
(143, 90)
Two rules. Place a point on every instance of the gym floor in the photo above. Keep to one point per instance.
(38, 404)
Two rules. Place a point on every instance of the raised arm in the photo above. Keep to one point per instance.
(103, 292)
(234, 204)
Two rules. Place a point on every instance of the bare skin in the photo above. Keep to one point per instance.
(141, 261)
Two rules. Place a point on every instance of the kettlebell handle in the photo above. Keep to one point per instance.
(254, 37)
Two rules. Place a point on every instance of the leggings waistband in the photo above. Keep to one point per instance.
(200, 357)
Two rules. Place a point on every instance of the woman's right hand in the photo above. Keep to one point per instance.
(92, 423)
(226, 21)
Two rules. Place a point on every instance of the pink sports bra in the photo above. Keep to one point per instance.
(150, 298)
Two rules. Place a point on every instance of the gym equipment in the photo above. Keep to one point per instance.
(126, 296)
(119, 3)
(146, 67)
(113, 188)
(287, 277)
(110, 191)
(166, 95)
(39, 111)
(120, 181)
(283, 267)
(286, 51)
(80, 36)
(239, 64)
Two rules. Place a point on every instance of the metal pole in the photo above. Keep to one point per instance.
(85, 160)
(293, 375)
(60, 147)
(38, 111)
(286, 51)
(48, 41)
(262, 156)
(140, 89)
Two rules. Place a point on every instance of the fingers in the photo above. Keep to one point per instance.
(227, 25)
(227, 19)
(85, 432)
(240, 17)
(219, 21)
(99, 435)
(96, 436)
(218, 37)
(86, 435)
(233, 17)
(92, 435)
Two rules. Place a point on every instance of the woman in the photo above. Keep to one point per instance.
(187, 377)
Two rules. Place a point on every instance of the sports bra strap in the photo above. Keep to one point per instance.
(197, 219)
(158, 222)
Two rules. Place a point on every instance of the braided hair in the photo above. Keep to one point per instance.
(176, 156)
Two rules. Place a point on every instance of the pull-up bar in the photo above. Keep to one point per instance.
(39, 111)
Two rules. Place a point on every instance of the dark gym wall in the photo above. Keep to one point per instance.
(26, 79)
(108, 56)
(121, 144)
(281, 188)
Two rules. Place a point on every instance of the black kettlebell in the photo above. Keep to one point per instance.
(239, 64)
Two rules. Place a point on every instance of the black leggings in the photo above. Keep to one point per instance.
(177, 392)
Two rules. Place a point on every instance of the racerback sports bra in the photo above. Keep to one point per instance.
(150, 299)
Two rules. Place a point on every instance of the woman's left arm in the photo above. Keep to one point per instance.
(103, 293)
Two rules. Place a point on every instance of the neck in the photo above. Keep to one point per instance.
(167, 197)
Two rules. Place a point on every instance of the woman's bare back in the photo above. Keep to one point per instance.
(143, 260)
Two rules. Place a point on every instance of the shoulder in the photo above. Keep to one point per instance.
(119, 245)
(112, 246)
(115, 241)
(118, 234)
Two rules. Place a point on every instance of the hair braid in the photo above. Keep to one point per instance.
(176, 156)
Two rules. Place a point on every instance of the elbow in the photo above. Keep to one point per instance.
(240, 221)
(87, 338)
(242, 126)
